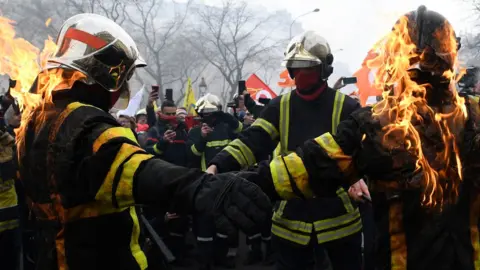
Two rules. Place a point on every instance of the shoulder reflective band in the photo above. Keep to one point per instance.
(267, 127)
(112, 133)
(284, 122)
(337, 111)
(398, 243)
(299, 174)
(217, 143)
(328, 143)
(280, 178)
(245, 150)
(195, 151)
(237, 155)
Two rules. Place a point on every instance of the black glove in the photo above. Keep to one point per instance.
(233, 203)
(261, 176)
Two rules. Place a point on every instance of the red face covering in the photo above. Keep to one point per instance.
(306, 78)
(142, 127)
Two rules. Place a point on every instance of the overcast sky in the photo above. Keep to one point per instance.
(355, 25)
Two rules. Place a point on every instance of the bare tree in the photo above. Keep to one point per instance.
(230, 38)
(154, 35)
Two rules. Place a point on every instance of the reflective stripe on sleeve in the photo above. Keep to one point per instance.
(239, 128)
(328, 143)
(218, 143)
(267, 127)
(112, 133)
(156, 150)
(237, 155)
(125, 164)
(245, 150)
(195, 151)
(280, 178)
(299, 173)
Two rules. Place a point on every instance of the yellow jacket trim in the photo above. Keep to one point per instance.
(105, 192)
(239, 128)
(218, 143)
(290, 236)
(340, 233)
(112, 133)
(237, 155)
(134, 245)
(325, 224)
(280, 178)
(267, 127)
(337, 111)
(345, 199)
(293, 224)
(9, 225)
(195, 151)
(156, 150)
(299, 173)
(284, 122)
(246, 152)
(328, 143)
(124, 191)
(8, 195)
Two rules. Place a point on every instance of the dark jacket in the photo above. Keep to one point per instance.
(174, 152)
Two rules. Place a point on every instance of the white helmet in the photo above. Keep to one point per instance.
(307, 50)
(208, 104)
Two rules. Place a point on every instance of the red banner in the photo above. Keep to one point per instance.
(258, 89)
(287, 82)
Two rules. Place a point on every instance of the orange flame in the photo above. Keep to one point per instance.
(404, 107)
(23, 62)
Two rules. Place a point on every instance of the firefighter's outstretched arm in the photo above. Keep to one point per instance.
(127, 175)
(317, 168)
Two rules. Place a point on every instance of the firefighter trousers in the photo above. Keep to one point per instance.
(10, 241)
(341, 254)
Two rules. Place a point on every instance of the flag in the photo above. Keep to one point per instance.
(258, 89)
(134, 105)
(287, 81)
(366, 87)
(189, 99)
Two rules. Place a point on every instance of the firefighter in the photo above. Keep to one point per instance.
(217, 130)
(303, 228)
(84, 173)
(423, 222)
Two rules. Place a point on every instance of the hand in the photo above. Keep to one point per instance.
(212, 169)
(206, 130)
(169, 135)
(233, 203)
(339, 84)
(152, 97)
(359, 191)
(248, 120)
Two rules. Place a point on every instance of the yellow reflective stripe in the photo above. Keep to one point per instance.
(281, 207)
(112, 133)
(239, 128)
(8, 195)
(203, 163)
(156, 150)
(290, 236)
(284, 122)
(105, 192)
(345, 199)
(337, 110)
(267, 127)
(124, 191)
(299, 173)
(340, 233)
(245, 150)
(328, 143)
(280, 178)
(276, 152)
(195, 151)
(134, 245)
(9, 225)
(325, 224)
(398, 242)
(237, 155)
(292, 224)
(218, 143)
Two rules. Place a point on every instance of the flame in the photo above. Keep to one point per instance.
(48, 21)
(25, 63)
(404, 108)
